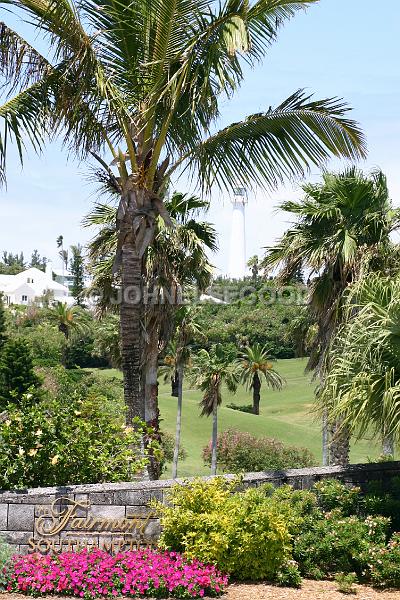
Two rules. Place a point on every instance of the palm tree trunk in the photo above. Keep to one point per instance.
(151, 398)
(256, 394)
(178, 423)
(131, 317)
(175, 385)
(214, 438)
(325, 439)
(387, 445)
(339, 450)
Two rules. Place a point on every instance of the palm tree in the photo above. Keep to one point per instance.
(176, 258)
(68, 318)
(212, 369)
(343, 225)
(254, 365)
(254, 264)
(363, 384)
(141, 84)
(176, 360)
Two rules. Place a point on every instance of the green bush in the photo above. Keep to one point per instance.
(378, 501)
(5, 556)
(17, 375)
(242, 533)
(333, 494)
(242, 452)
(336, 544)
(345, 583)
(65, 439)
(384, 564)
(47, 344)
(289, 575)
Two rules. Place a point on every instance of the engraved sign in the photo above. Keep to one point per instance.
(69, 525)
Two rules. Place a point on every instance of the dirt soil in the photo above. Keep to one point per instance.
(310, 590)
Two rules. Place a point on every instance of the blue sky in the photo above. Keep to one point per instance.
(346, 48)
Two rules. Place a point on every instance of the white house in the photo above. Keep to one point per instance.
(30, 285)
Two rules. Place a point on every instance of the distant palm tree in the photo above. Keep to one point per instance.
(143, 83)
(254, 365)
(254, 264)
(176, 360)
(212, 369)
(68, 318)
(343, 225)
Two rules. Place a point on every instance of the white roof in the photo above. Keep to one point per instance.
(39, 282)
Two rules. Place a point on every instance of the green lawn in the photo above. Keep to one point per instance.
(285, 415)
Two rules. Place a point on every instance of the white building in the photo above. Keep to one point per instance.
(28, 286)
(237, 255)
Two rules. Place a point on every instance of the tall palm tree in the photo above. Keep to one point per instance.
(176, 258)
(176, 360)
(343, 225)
(212, 369)
(140, 83)
(254, 365)
(363, 383)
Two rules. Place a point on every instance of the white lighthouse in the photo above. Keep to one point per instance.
(237, 256)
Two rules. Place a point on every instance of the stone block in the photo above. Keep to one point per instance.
(106, 511)
(16, 537)
(21, 517)
(139, 511)
(3, 516)
(102, 498)
(138, 498)
(152, 531)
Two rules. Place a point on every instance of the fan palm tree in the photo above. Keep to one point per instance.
(343, 226)
(363, 383)
(212, 369)
(141, 84)
(254, 365)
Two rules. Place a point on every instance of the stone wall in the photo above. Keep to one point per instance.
(119, 516)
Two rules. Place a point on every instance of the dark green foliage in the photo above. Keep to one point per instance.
(80, 352)
(386, 502)
(38, 261)
(12, 264)
(241, 452)
(77, 269)
(246, 408)
(17, 375)
(3, 328)
(256, 313)
(289, 575)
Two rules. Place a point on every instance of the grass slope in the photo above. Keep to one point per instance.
(285, 415)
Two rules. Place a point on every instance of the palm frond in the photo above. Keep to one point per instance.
(282, 143)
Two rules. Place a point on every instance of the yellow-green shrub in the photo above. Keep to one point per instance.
(243, 533)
